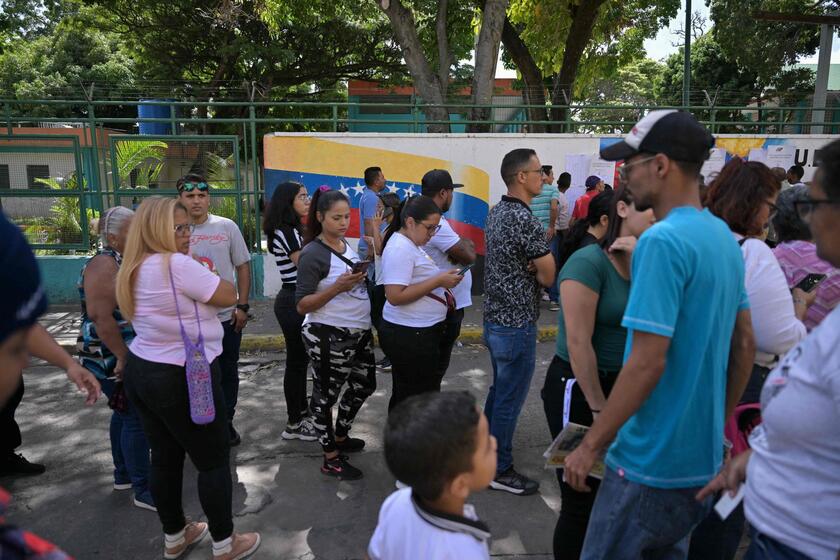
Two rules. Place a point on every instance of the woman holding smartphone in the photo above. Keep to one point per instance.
(418, 300)
(332, 296)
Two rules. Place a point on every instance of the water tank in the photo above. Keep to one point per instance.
(156, 109)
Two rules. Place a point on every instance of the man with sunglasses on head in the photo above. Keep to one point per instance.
(688, 355)
(217, 243)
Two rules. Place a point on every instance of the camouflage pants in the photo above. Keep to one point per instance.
(339, 356)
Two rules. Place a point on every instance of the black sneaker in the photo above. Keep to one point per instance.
(340, 468)
(515, 483)
(350, 445)
(235, 438)
(15, 463)
(384, 364)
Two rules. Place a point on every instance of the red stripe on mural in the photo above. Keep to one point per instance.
(473, 233)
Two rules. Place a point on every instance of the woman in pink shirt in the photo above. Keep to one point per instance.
(155, 270)
(797, 255)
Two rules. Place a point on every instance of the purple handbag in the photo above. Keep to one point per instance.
(199, 379)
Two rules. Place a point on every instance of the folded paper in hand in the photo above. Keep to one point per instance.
(567, 441)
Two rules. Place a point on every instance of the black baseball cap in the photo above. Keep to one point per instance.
(436, 180)
(676, 134)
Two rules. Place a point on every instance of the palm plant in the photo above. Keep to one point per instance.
(64, 223)
(145, 157)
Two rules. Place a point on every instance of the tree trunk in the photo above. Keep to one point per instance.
(443, 46)
(531, 74)
(580, 33)
(486, 55)
(426, 83)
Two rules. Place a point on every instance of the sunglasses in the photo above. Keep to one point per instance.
(190, 187)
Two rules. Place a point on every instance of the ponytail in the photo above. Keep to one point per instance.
(417, 207)
(599, 206)
(322, 200)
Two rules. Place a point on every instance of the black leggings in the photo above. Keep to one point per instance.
(575, 507)
(159, 394)
(297, 360)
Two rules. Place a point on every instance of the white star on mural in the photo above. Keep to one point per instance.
(393, 188)
(410, 191)
(344, 190)
(359, 189)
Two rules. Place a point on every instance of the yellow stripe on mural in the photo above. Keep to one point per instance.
(326, 157)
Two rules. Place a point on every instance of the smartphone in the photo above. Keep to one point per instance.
(360, 266)
(465, 269)
(810, 282)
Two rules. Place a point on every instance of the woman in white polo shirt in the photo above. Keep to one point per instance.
(418, 299)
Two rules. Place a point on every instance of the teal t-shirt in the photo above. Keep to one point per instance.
(591, 267)
(541, 204)
(688, 285)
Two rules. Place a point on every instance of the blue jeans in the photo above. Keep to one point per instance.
(763, 547)
(513, 354)
(632, 521)
(129, 447)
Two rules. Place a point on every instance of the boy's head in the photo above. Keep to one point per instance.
(440, 443)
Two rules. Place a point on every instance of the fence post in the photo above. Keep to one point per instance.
(252, 115)
(8, 110)
(335, 117)
(172, 120)
(94, 145)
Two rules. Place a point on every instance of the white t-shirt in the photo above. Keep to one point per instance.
(774, 321)
(155, 318)
(404, 264)
(564, 214)
(318, 269)
(793, 477)
(574, 193)
(408, 531)
(438, 245)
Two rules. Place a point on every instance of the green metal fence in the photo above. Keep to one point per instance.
(53, 184)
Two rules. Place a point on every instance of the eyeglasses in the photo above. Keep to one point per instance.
(190, 187)
(181, 228)
(804, 208)
(622, 171)
(302, 196)
(431, 228)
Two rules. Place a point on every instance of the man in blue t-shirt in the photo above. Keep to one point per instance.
(688, 357)
(374, 183)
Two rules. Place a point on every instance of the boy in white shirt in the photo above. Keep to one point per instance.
(439, 444)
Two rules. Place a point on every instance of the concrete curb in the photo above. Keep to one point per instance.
(469, 335)
(275, 342)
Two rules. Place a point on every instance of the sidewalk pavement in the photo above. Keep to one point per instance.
(263, 332)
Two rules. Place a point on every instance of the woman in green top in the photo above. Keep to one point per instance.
(594, 286)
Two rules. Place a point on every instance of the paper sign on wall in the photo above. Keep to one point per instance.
(603, 169)
(578, 166)
(780, 156)
(758, 154)
(713, 165)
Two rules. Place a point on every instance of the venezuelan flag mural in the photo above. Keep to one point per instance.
(316, 161)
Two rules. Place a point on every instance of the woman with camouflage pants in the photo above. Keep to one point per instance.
(336, 329)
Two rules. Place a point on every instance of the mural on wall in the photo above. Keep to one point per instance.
(315, 162)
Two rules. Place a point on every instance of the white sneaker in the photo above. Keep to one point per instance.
(303, 430)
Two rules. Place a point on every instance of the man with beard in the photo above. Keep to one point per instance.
(688, 356)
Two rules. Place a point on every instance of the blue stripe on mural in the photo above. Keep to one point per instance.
(465, 208)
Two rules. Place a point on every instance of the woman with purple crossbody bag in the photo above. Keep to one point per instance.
(172, 376)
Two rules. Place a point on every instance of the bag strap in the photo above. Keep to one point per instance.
(178, 309)
(336, 253)
(448, 302)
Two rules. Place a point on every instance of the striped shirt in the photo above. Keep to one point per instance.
(286, 241)
(798, 259)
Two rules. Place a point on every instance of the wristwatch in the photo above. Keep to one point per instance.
(243, 307)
